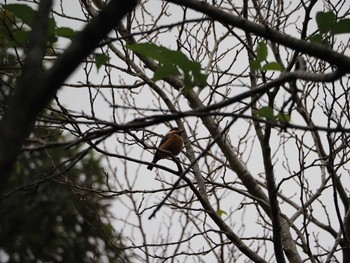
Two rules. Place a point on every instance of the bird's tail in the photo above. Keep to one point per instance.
(155, 159)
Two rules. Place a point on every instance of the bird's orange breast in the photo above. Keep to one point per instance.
(174, 144)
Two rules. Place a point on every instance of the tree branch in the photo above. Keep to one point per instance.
(32, 95)
(312, 49)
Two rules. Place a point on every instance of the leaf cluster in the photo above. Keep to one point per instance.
(172, 63)
(261, 55)
(23, 15)
(328, 25)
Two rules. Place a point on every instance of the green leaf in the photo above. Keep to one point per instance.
(272, 66)
(23, 12)
(52, 26)
(325, 21)
(178, 58)
(261, 55)
(341, 27)
(266, 112)
(255, 64)
(221, 212)
(52, 37)
(150, 50)
(316, 39)
(165, 71)
(21, 37)
(261, 51)
(200, 80)
(172, 62)
(65, 32)
(100, 59)
(281, 117)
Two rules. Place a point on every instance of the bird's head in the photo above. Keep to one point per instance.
(175, 130)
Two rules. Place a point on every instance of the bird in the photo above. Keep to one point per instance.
(172, 143)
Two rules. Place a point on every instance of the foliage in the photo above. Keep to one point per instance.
(25, 14)
(171, 62)
(44, 217)
(261, 55)
(49, 221)
(328, 24)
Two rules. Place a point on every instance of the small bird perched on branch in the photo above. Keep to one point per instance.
(172, 143)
